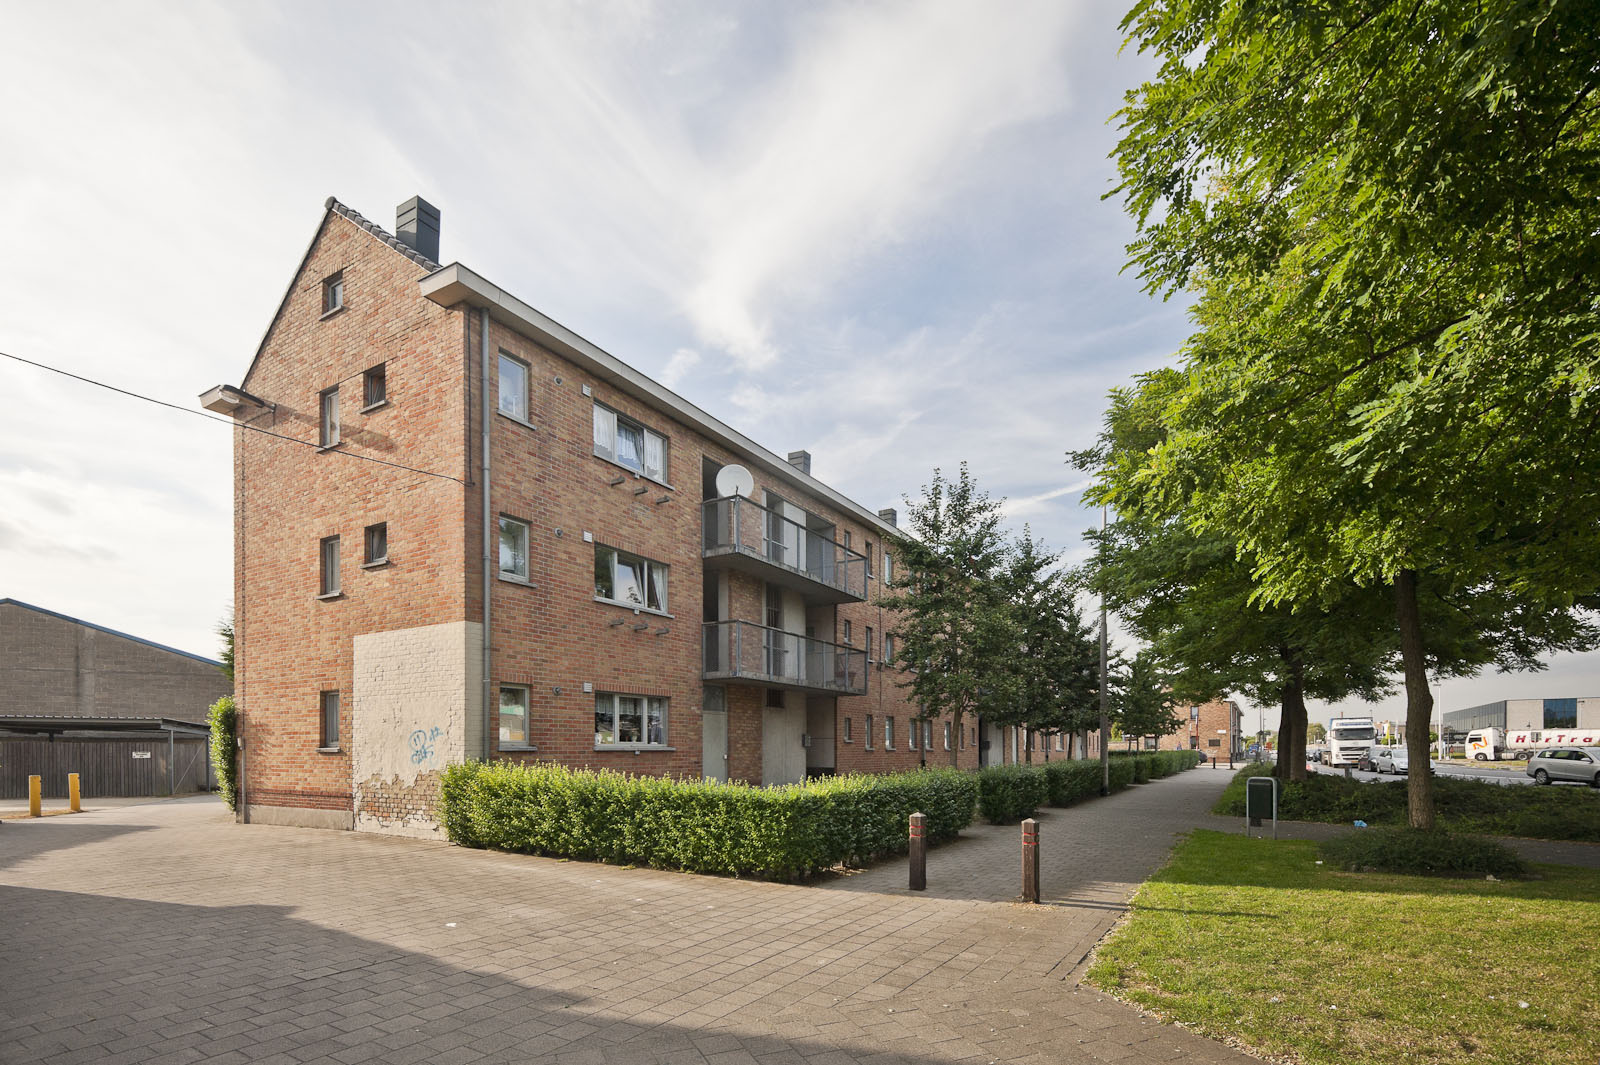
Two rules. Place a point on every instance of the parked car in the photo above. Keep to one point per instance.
(1368, 762)
(1580, 765)
(1391, 760)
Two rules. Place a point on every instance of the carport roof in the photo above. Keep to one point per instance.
(36, 724)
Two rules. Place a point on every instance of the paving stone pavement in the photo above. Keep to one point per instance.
(167, 933)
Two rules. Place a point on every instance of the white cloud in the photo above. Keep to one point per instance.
(1021, 507)
(683, 361)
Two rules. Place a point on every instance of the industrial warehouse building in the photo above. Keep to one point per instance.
(126, 714)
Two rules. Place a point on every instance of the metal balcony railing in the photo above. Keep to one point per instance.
(743, 650)
(736, 527)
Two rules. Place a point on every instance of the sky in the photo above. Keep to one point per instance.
(876, 231)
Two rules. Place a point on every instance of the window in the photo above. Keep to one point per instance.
(947, 735)
(624, 441)
(888, 569)
(329, 714)
(1058, 741)
(963, 738)
(869, 554)
(329, 583)
(868, 732)
(1194, 713)
(1560, 713)
(847, 632)
(374, 388)
(888, 647)
(888, 733)
(333, 293)
(927, 736)
(328, 429)
(869, 643)
(847, 737)
(377, 543)
(513, 716)
(513, 397)
(623, 578)
(513, 548)
(1213, 743)
(1194, 741)
(915, 733)
(775, 699)
(629, 720)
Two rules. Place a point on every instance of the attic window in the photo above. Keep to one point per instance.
(333, 293)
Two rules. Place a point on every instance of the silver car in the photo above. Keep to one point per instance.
(1581, 765)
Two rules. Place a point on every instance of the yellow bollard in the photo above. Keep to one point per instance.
(72, 790)
(35, 787)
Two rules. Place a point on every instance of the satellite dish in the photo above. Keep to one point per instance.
(735, 481)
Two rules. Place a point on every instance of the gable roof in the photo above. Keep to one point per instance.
(109, 632)
(332, 208)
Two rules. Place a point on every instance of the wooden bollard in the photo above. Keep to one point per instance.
(1030, 860)
(35, 796)
(919, 852)
(74, 793)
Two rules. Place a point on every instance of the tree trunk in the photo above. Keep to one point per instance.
(1292, 722)
(955, 739)
(1419, 700)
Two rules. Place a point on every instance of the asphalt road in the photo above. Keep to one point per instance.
(1491, 776)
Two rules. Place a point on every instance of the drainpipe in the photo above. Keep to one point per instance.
(488, 585)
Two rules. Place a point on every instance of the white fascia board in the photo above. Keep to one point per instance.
(455, 284)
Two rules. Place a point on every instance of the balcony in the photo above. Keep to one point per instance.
(744, 535)
(756, 654)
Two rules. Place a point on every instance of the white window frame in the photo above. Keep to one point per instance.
(505, 743)
(328, 417)
(329, 585)
(888, 732)
(658, 706)
(888, 568)
(927, 735)
(888, 647)
(369, 558)
(527, 550)
(916, 733)
(947, 735)
(607, 423)
(520, 394)
(656, 575)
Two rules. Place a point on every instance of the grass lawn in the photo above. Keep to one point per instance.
(1250, 939)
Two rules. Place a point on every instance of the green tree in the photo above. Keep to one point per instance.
(1192, 598)
(1143, 702)
(1388, 214)
(225, 631)
(1057, 660)
(1317, 732)
(956, 627)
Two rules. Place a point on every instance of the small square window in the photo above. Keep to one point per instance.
(513, 717)
(775, 699)
(328, 428)
(377, 543)
(333, 293)
(329, 581)
(513, 548)
(513, 396)
(329, 713)
(374, 387)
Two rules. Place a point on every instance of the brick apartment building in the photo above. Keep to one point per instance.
(1215, 727)
(661, 594)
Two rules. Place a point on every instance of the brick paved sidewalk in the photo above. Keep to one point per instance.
(167, 933)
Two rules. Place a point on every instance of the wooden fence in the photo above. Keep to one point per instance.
(106, 767)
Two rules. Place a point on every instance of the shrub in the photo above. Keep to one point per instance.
(698, 825)
(223, 719)
(1008, 793)
(1072, 781)
(1141, 768)
(1417, 853)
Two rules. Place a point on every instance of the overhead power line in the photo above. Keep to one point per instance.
(227, 421)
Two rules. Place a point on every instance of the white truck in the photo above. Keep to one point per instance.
(1348, 739)
(1493, 744)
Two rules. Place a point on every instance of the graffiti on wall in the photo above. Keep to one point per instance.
(422, 745)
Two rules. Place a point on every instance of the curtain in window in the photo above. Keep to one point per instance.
(655, 456)
(605, 433)
(630, 446)
(605, 727)
(656, 726)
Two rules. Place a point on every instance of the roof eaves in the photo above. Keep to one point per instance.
(455, 283)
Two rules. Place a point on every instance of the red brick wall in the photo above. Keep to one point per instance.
(288, 496)
(1214, 715)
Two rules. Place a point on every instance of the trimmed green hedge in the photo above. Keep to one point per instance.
(1008, 793)
(223, 719)
(698, 825)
